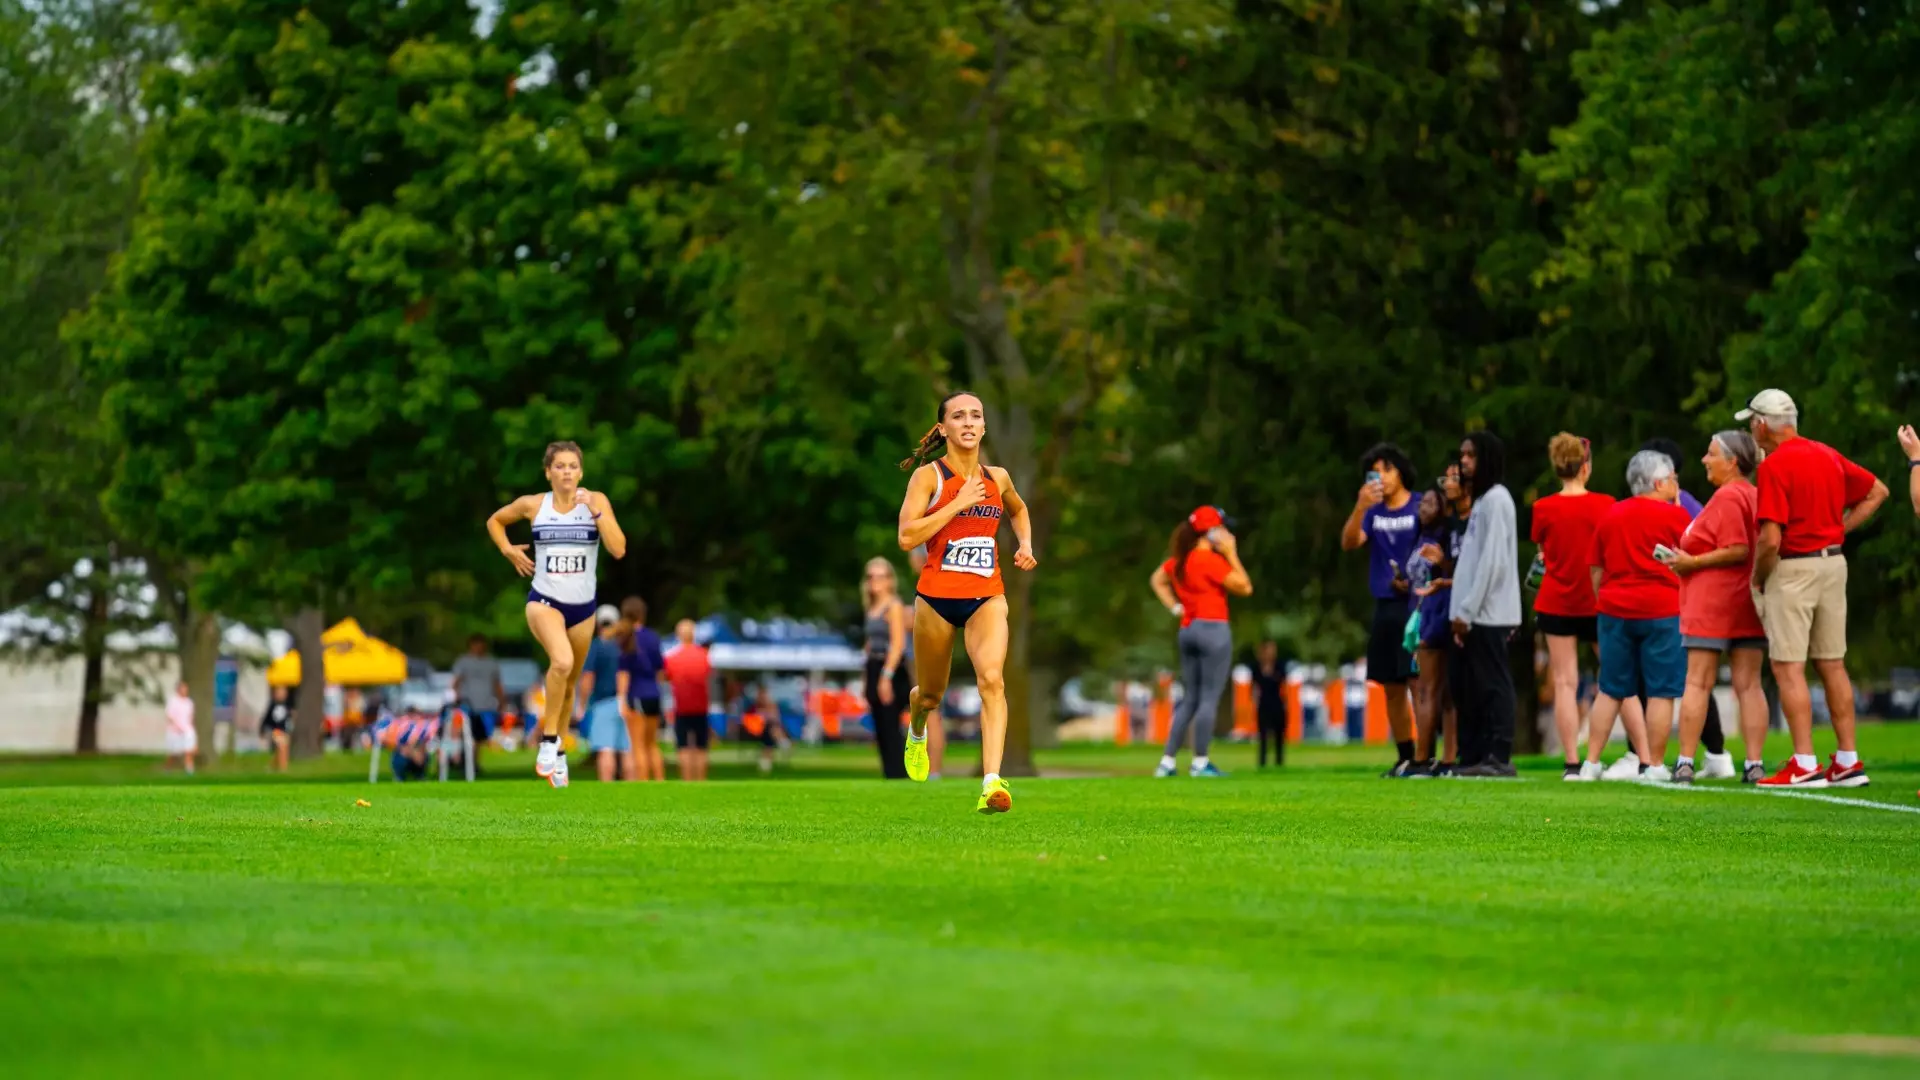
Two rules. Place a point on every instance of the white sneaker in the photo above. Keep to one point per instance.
(1590, 771)
(1657, 774)
(1719, 767)
(543, 763)
(559, 777)
(1627, 768)
(1164, 770)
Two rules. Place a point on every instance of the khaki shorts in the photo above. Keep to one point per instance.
(1805, 610)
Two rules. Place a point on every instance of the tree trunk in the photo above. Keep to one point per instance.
(198, 633)
(309, 708)
(1019, 756)
(93, 637)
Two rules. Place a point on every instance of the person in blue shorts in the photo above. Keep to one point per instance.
(1430, 573)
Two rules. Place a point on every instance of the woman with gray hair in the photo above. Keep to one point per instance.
(1639, 604)
(1717, 615)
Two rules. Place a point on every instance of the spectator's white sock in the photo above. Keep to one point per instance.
(1168, 761)
(1684, 760)
(987, 780)
(1199, 762)
(1749, 763)
(1806, 761)
(1847, 758)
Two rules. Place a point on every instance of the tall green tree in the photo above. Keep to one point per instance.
(1738, 185)
(924, 197)
(69, 118)
(383, 258)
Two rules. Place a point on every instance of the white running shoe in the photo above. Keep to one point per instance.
(1590, 771)
(543, 763)
(1719, 767)
(1657, 774)
(559, 777)
(1627, 768)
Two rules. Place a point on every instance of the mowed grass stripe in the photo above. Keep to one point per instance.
(1315, 921)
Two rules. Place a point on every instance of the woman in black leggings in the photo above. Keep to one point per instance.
(889, 647)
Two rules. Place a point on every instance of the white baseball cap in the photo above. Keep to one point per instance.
(1768, 403)
(608, 615)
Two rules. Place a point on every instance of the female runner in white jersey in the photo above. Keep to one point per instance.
(569, 525)
(955, 506)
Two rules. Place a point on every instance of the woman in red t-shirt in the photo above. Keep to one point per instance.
(1563, 610)
(1202, 567)
(1716, 603)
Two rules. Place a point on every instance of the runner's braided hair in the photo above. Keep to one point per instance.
(934, 443)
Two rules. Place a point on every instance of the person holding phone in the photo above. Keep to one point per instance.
(1717, 616)
(1201, 570)
(1386, 517)
(1638, 597)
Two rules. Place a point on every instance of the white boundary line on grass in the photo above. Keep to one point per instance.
(1870, 804)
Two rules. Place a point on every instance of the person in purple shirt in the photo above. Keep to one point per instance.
(1386, 518)
(639, 684)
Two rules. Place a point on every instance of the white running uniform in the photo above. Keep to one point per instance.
(566, 553)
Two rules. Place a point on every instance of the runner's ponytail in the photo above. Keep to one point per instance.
(932, 445)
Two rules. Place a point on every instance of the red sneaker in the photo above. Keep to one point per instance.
(1792, 775)
(1854, 775)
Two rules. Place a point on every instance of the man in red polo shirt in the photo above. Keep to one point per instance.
(1811, 497)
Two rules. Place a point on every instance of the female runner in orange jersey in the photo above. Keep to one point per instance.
(954, 506)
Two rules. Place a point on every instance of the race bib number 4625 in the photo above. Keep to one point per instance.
(970, 555)
(575, 563)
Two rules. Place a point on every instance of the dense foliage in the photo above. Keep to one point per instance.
(1188, 252)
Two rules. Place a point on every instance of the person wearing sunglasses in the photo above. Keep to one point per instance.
(1202, 568)
(1564, 609)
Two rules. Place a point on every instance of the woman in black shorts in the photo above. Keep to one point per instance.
(1564, 609)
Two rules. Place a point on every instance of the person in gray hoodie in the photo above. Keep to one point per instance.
(1486, 612)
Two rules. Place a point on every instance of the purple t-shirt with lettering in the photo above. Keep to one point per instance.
(1393, 536)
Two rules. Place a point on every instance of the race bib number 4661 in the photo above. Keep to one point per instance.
(567, 564)
(970, 555)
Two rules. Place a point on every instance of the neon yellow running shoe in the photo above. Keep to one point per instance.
(918, 765)
(996, 799)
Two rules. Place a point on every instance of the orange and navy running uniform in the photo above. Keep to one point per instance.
(963, 562)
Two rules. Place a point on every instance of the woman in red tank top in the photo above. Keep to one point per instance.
(954, 506)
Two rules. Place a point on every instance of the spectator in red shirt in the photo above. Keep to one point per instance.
(1811, 497)
(1716, 603)
(1639, 612)
(688, 672)
(1563, 610)
(1202, 567)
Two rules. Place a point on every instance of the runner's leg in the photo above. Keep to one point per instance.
(986, 637)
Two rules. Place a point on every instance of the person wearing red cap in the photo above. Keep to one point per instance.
(1202, 567)
(1810, 498)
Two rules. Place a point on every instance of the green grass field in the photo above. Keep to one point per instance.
(1314, 921)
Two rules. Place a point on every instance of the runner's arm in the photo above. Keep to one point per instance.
(611, 534)
(1022, 520)
(916, 526)
(520, 509)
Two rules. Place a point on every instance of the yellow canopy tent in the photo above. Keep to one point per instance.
(352, 659)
